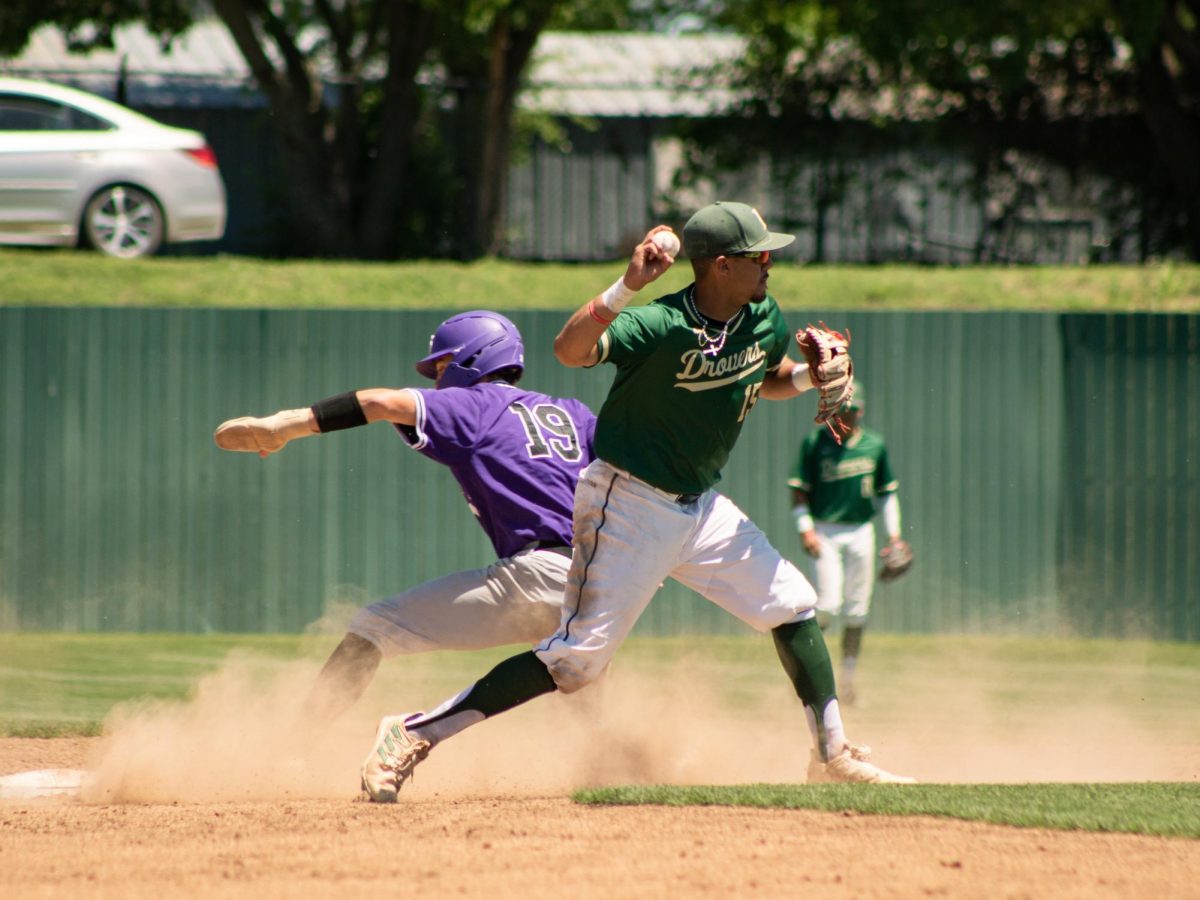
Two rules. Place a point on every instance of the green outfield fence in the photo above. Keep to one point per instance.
(1048, 468)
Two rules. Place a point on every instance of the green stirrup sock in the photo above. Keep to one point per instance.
(801, 648)
(852, 641)
(515, 681)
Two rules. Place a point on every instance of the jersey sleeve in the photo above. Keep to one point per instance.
(633, 334)
(803, 476)
(885, 480)
(448, 423)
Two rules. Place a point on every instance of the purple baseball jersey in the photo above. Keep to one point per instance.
(516, 454)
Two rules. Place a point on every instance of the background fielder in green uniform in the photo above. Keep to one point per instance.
(836, 491)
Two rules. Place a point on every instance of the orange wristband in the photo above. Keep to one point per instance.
(594, 315)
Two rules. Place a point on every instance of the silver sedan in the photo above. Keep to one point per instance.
(79, 170)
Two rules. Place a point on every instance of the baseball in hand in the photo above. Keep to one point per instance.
(667, 242)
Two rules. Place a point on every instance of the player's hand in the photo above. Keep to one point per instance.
(812, 544)
(266, 435)
(648, 262)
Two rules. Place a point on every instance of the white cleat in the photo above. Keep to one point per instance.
(392, 760)
(852, 766)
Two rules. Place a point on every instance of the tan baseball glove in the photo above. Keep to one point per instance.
(828, 356)
(263, 436)
(897, 559)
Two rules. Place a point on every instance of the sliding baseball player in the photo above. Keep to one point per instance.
(516, 454)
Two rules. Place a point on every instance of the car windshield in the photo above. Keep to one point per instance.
(22, 113)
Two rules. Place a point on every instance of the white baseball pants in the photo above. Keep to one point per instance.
(844, 573)
(517, 600)
(629, 537)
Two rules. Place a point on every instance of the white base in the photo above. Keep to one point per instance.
(42, 783)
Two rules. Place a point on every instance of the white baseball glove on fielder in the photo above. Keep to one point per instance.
(828, 356)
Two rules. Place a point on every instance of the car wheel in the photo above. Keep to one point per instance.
(122, 220)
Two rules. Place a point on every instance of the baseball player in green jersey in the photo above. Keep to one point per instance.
(837, 488)
(690, 367)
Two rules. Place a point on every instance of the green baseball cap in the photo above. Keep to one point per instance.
(726, 229)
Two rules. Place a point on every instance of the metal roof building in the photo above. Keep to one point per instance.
(580, 204)
(601, 74)
(203, 67)
(631, 75)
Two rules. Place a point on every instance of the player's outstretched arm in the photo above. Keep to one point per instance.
(270, 434)
(789, 380)
(576, 344)
(396, 405)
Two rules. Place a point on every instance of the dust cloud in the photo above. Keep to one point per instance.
(239, 737)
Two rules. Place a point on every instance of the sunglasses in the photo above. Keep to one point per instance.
(758, 256)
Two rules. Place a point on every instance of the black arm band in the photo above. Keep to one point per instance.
(341, 411)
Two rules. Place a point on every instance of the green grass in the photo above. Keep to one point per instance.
(1171, 810)
(71, 278)
(54, 684)
(68, 683)
(63, 684)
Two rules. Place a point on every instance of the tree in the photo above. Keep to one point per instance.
(357, 91)
(1093, 79)
(486, 47)
(87, 23)
(485, 76)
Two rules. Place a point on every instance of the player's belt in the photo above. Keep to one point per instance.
(681, 499)
(552, 546)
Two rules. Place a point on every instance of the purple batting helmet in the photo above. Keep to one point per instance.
(478, 343)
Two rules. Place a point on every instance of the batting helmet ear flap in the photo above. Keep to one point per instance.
(478, 344)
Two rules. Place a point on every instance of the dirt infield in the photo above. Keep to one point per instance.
(220, 797)
(541, 846)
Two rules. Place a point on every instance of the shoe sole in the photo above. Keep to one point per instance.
(879, 777)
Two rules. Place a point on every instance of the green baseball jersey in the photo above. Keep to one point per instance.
(683, 387)
(842, 480)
